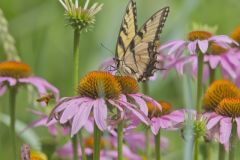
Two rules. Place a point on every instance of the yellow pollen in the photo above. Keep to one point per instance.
(128, 84)
(200, 35)
(236, 34)
(35, 155)
(99, 84)
(14, 69)
(219, 90)
(216, 49)
(156, 112)
(229, 107)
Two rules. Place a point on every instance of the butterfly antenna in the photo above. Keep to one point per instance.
(107, 48)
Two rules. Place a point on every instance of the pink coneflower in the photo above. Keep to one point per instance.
(216, 56)
(226, 120)
(14, 73)
(164, 119)
(108, 149)
(222, 102)
(99, 92)
(197, 41)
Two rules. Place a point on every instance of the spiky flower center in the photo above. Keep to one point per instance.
(128, 84)
(199, 35)
(236, 34)
(229, 107)
(215, 49)
(219, 90)
(99, 84)
(14, 69)
(35, 155)
(154, 111)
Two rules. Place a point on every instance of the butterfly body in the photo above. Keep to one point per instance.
(136, 50)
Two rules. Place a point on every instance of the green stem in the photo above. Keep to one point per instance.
(148, 145)
(97, 143)
(212, 75)
(80, 136)
(199, 99)
(76, 57)
(75, 147)
(221, 152)
(157, 146)
(12, 103)
(145, 89)
(199, 82)
(76, 49)
(196, 148)
(120, 140)
(233, 142)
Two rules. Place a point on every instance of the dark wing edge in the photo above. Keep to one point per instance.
(150, 45)
(131, 11)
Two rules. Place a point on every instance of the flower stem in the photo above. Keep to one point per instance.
(199, 99)
(199, 82)
(196, 148)
(148, 147)
(97, 143)
(221, 152)
(233, 142)
(76, 47)
(12, 103)
(157, 146)
(212, 75)
(120, 140)
(80, 136)
(75, 147)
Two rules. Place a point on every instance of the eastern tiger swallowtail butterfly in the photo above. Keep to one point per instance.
(136, 50)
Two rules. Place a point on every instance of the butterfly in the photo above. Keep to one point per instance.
(136, 50)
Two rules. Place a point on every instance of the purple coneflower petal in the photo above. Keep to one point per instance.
(225, 65)
(11, 81)
(175, 116)
(225, 130)
(192, 47)
(149, 99)
(138, 113)
(203, 45)
(81, 117)
(213, 61)
(100, 113)
(171, 44)
(213, 121)
(178, 46)
(141, 103)
(238, 126)
(223, 38)
(69, 112)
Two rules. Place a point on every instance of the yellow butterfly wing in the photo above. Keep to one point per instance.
(140, 58)
(128, 29)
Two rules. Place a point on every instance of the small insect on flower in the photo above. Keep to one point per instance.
(13, 74)
(46, 98)
(81, 18)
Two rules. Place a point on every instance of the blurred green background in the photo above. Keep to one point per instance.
(45, 43)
